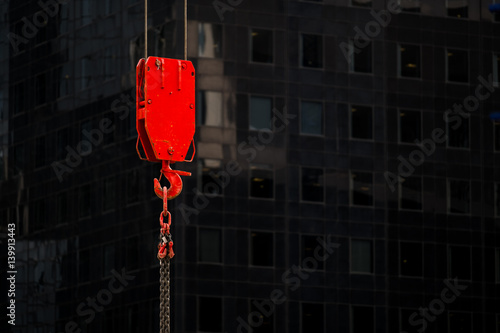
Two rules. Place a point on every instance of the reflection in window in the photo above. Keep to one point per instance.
(209, 108)
(262, 249)
(459, 262)
(309, 245)
(209, 40)
(410, 259)
(210, 245)
(457, 65)
(311, 118)
(262, 45)
(361, 122)
(410, 5)
(410, 126)
(458, 196)
(362, 188)
(312, 51)
(312, 317)
(458, 8)
(261, 181)
(361, 61)
(362, 3)
(361, 256)
(312, 184)
(211, 180)
(460, 322)
(260, 113)
(210, 314)
(409, 60)
(362, 319)
(458, 137)
(411, 193)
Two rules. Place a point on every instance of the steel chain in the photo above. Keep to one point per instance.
(165, 295)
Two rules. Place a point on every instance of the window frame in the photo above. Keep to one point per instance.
(251, 254)
(447, 66)
(221, 246)
(421, 260)
(301, 187)
(400, 64)
(301, 51)
(320, 102)
(352, 62)
(273, 48)
(372, 256)
(400, 195)
(351, 189)
(448, 196)
(400, 110)
(351, 137)
(273, 169)
(271, 122)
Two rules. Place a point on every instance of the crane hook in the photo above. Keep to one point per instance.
(173, 177)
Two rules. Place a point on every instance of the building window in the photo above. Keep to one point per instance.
(312, 51)
(84, 201)
(457, 8)
(261, 181)
(459, 322)
(62, 208)
(209, 40)
(209, 108)
(312, 184)
(262, 45)
(311, 118)
(410, 126)
(361, 122)
(262, 249)
(459, 262)
(410, 259)
(361, 256)
(262, 320)
(361, 188)
(209, 245)
(497, 266)
(309, 244)
(458, 196)
(411, 193)
(496, 69)
(209, 314)
(211, 180)
(409, 60)
(457, 65)
(108, 193)
(410, 5)
(260, 113)
(108, 259)
(362, 319)
(458, 135)
(312, 318)
(362, 3)
(40, 152)
(132, 183)
(361, 58)
(41, 89)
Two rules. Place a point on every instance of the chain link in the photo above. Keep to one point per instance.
(165, 295)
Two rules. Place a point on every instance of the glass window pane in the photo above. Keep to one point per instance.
(362, 3)
(460, 262)
(410, 126)
(312, 318)
(361, 256)
(261, 181)
(309, 245)
(458, 136)
(209, 108)
(411, 193)
(458, 65)
(458, 196)
(311, 118)
(362, 59)
(458, 8)
(266, 321)
(362, 188)
(260, 113)
(209, 249)
(409, 58)
(410, 259)
(361, 122)
(209, 40)
(312, 184)
(209, 314)
(262, 244)
(312, 51)
(262, 45)
(362, 320)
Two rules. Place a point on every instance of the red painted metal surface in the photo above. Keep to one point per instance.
(165, 104)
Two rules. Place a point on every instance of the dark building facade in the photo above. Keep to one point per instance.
(345, 177)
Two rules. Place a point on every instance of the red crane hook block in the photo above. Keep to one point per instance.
(165, 115)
